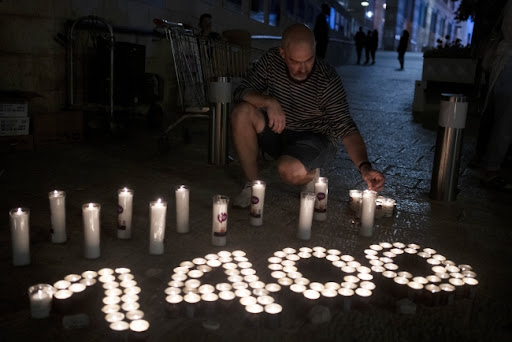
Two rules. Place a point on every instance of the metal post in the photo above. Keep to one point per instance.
(220, 99)
(451, 123)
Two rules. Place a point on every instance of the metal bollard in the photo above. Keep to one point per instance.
(220, 99)
(451, 123)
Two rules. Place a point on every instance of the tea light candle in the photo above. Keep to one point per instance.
(40, 300)
(219, 220)
(157, 214)
(307, 203)
(20, 236)
(368, 212)
(139, 325)
(124, 213)
(91, 218)
(321, 193)
(58, 215)
(257, 202)
(182, 193)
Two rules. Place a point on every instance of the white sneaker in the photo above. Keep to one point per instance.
(243, 199)
(310, 186)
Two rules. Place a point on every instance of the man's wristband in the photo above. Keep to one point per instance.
(366, 162)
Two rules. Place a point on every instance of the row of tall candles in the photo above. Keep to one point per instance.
(313, 206)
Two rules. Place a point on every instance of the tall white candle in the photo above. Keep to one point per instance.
(124, 213)
(157, 214)
(219, 220)
(307, 205)
(40, 296)
(257, 202)
(368, 212)
(91, 218)
(20, 236)
(321, 193)
(182, 208)
(58, 215)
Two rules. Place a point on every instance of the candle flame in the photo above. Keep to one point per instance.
(19, 211)
(91, 205)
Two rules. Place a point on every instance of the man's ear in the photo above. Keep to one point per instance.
(281, 52)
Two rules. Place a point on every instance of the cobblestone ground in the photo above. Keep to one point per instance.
(473, 230)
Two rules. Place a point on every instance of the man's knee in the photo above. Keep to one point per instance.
(242, 112)
(292, 172)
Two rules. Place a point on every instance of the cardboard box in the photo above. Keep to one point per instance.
(14, 109)
(17, 143)
(58, 127)
(12, 126)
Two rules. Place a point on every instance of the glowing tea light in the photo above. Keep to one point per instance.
(414, 246)
(398, 245)
(433, 279)
(289, 269)
(304, 255)
(244, 264)
(128, 283)
(199, 261)
(293, 257)
(110, 308)
(452, 269)
(389, 254)
(410, 250)
(195, 274)
(332, 257)
(192, 284)
(273, 287)
(206, 288)
(204, 268)
(129, 298)
(397, 251)
(285, 281)
(250, 278)
(423, 255)
(224, 254)
(260, 292)
(318, 287)
(319, 255)
(414, 285)
(294, 275)
(363, 269)
(404, 274)
(257, 284)
(302, 281)
(468, 274)
(329, 293)
(332, 285)
(254, 308)
(63, 294)
(62, 284)
(367, 285)
(72, 277)
(226, 295)
(139, 325)
(349, 285)
(433, 261)
(274, 260)
(470, 281)
(132, 290)
(265, 300)
(456, 275)
(114, 317)
(111, 300)
(288, 263)
(363, 292)
(213, 263)
(278, 274)
(76, 287)
(311, 294)
(447, 287)
(386, 260)
(105, 271)
(438, 269)
(188, 264)
(235, 278)
(107, 278)
(443, 275)
(248, 271)
(131, 306)
(242, 293)
(275, 267)
(280, 254)
(122, 270)
(348, 269)
(339, 263)
(209, 297)
(119, 326)
(223, 287)
(351, 279)
(346, 292)
(456, 281)
(465, 267)
(347, 258)
(378, 269)
(391, 266)
(354, 264)
(376, 263)
(125, 276)
(420, 280)
(89, 274)
(172, 291)
(192, 298)
(88, 281)
(273, 308)
(401, 280)
(432, 288)
(389, 274)
(229, 266)
(110, 285)
(134, 315)
(365, 276)
(298, 288)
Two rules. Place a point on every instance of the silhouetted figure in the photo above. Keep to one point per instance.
(374, 44)
(321, 31)
(205, 26)
(367, 46)
(359, 38)
(402, 47)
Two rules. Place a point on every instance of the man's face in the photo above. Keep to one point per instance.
(299, 59)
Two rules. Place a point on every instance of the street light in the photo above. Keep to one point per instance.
(365, 3)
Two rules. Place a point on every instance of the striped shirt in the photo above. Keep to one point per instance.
(318, 104)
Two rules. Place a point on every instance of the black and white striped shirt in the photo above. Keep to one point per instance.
(318, 104)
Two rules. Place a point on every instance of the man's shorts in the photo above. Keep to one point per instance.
(313, 150)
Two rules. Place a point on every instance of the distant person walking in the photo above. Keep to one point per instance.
(402, 47)
(374, 44)
(359, 39)
(321, 31)
(367, 47)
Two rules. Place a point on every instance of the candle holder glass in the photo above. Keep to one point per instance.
(40, 296)
(20, 236)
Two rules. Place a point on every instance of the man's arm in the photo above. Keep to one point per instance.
(275, 113)
(356, 149)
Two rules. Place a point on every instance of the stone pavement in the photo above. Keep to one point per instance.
(473, 230)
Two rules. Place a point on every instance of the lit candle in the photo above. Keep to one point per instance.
(124, 213)
(321, 193)
(40, 300)
(20, 236)
(58, 215)
(182, 193)
(157, 213)
(307, 204)
(139, 325)
(368, 212)
(219, 220)
(379, 209)
(257, 202)
(91, 218)
(354, 201)
(388, 204)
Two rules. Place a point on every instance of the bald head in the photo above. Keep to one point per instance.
(297, 34)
